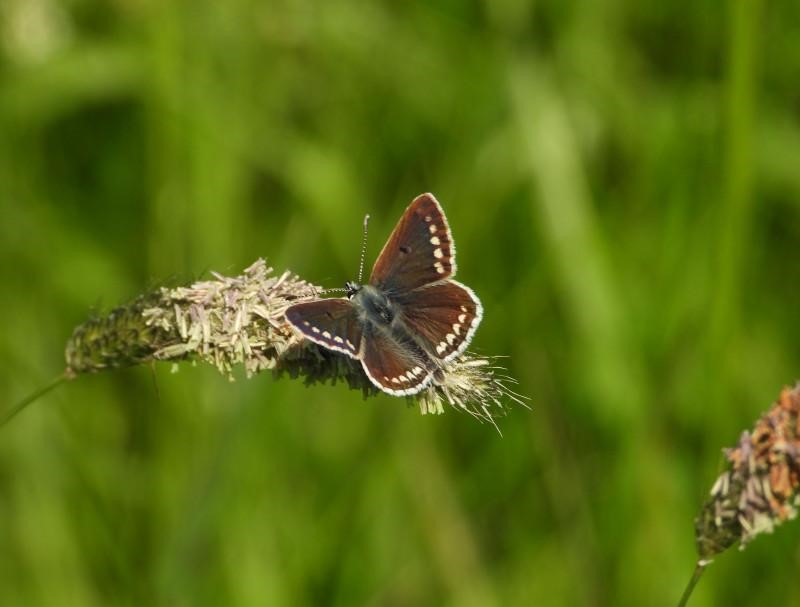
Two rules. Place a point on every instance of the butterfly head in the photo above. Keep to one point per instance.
(351, 288)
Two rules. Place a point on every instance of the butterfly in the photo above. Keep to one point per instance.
(411, 317)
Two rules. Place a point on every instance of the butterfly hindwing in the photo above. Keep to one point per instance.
(395, 365)
(332, 323)
(419, 251)
(443, 315)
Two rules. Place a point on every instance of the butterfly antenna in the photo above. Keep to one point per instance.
(363, 249)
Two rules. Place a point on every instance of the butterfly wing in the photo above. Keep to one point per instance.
(395, 364)
(444, 316)
(332, 323)
(419, 251)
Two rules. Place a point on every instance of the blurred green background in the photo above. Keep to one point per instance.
(623, 183)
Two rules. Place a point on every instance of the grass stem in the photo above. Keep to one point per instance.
(12, 412)
(698, 571)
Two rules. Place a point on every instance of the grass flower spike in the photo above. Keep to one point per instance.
(761, 487)
(240, 321)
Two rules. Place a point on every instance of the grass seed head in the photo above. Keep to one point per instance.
(239, 321)
(760, 489)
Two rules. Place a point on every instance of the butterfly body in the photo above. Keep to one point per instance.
(374, 306)
(411, 318)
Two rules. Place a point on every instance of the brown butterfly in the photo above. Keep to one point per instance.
(411, 317)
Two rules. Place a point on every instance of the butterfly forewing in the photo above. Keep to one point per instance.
(332, 323)
(398, 367)
(443, 315)
(419, 251)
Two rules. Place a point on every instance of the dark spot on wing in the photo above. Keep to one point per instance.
(405, 250)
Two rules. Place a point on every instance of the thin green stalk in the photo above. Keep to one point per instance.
(698, 571)
(11, 413)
